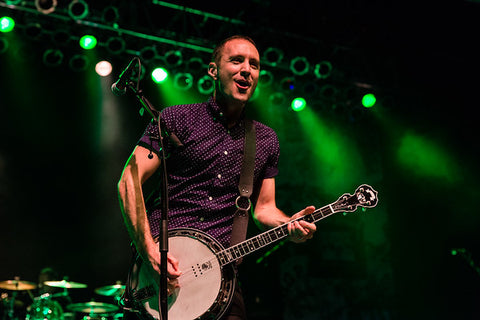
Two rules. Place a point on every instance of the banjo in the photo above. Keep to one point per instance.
(207, 283)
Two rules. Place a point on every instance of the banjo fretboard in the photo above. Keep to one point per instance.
(268, 237)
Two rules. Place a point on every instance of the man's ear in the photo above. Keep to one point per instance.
(212, 70)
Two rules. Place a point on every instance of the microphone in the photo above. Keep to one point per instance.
(119, 88)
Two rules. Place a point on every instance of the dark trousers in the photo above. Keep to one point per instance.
(236, 311)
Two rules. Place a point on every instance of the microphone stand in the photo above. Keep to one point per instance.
(163, 238)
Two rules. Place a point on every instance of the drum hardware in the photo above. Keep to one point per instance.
(52, 295)
(17, 285)
(93, 308)
(114, 291)
(44, 308)
(65, 284)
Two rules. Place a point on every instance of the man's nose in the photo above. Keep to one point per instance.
(246, 69)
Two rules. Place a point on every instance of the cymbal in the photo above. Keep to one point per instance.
(92, 307)
(65, 284)
(109, 291)
(17, 285)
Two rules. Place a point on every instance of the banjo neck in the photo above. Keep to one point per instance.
(365, 196)
(268, 237)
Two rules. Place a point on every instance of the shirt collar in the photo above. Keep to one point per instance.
(217, 113)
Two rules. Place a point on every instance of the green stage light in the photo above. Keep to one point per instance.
(159, 75)
(88, 42)
(369, 100)
(426, 158)
(6, 24)
(298, 104)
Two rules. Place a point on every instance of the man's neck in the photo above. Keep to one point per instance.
(232, 110)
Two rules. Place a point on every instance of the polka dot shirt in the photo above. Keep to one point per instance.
(204, 166)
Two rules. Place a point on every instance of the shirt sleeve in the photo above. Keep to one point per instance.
(150, 138)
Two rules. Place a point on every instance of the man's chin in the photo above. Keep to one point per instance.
(237, 97)
(243, 96)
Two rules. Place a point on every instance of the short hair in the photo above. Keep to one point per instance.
(218, 49)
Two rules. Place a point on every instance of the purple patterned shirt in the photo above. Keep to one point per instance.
(203, 174)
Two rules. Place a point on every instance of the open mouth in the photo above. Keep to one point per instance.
(242, 84)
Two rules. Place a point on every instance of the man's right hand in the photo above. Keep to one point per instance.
(173, 272)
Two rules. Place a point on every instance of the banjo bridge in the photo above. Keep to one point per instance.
(200, 269)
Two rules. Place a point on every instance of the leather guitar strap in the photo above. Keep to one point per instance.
(245, 185)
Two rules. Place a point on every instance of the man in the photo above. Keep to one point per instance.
(204, 150)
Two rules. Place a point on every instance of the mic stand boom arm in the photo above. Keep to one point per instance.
(163, 238)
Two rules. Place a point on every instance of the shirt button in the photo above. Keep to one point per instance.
(225, 152)
(210, 198)
(219, 176)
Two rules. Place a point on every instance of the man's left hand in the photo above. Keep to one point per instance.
(301, 230)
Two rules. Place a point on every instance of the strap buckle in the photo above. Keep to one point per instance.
(238, 205)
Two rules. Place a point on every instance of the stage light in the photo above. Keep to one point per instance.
(173, 58)
(3, 45)
(272, 56)
(299, 66)
(265, 78)
(110, 15)
(60, 37)
(298, 104)
(369, 100)
(287, 84)
(52, 57)
(88, 42)
(196, 65)
(183, 81)
(79, 62)
(103, 68)
(277, 98)
(323, 69)
(6, 24)
(78, 9)
(310, 88)
(148, 53)
(45, 6)
(328, 92)
(159, 75)
(205, 85)
(115, 45)
(33, 30)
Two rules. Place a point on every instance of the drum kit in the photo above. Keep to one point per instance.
(46, 306)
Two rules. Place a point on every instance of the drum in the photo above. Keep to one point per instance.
(44, 308)
(93, 310)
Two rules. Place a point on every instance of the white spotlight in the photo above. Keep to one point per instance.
(103, 68)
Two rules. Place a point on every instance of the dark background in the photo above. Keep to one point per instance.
(59, 166)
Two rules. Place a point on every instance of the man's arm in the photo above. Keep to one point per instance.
(138, 169)
(269, 216)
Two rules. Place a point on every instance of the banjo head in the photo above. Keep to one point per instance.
(205, 287)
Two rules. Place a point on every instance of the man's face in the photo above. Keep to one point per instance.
(237, 71)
